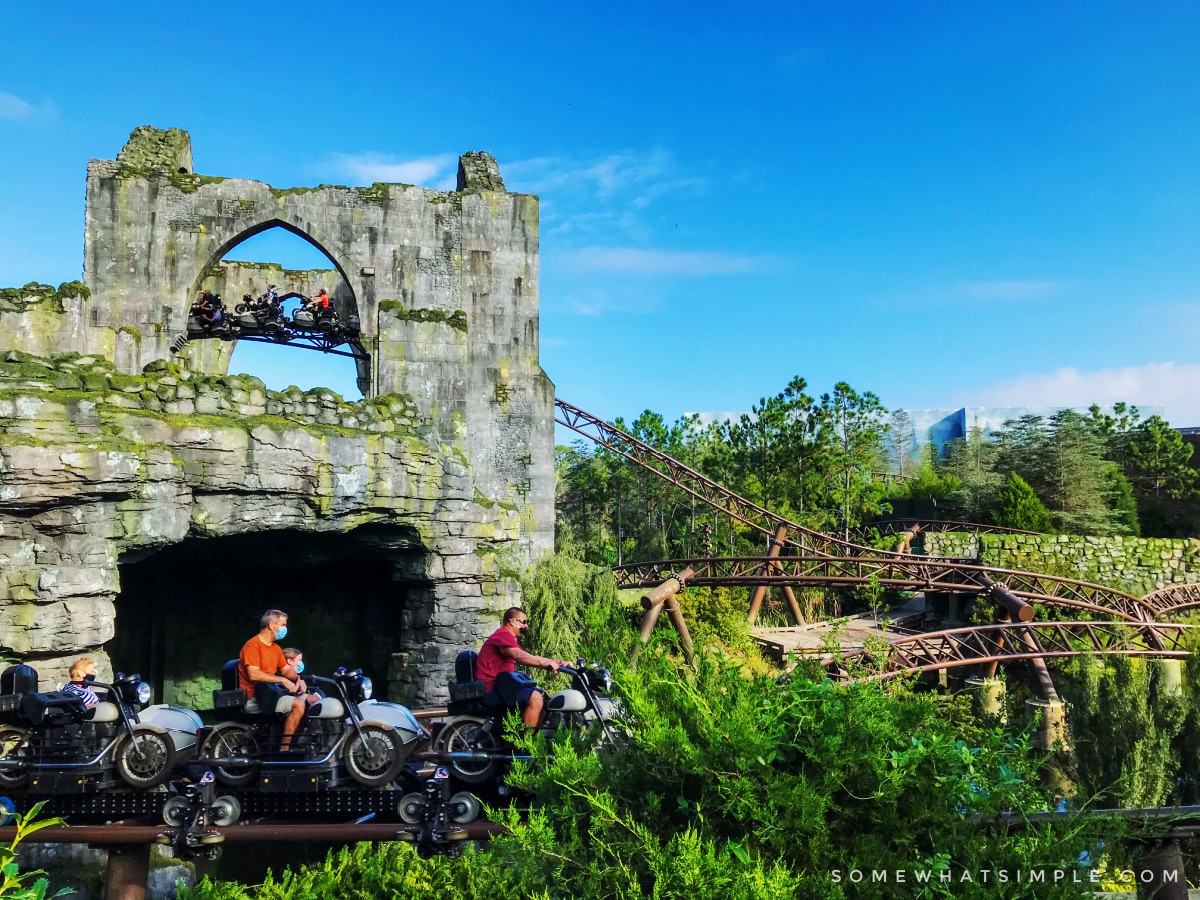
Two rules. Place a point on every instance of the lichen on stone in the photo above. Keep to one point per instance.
(456, 320)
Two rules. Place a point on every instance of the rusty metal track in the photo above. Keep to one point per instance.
(699, 486)
(826, 561)
(1034, 640)
(1175, 598)
(897, 526)
(903, 572)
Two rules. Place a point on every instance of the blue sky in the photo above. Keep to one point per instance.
(946, 203)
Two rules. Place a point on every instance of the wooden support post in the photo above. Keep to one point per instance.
(760, 590)
(794, 604)
(676, 616)
(128, 871)
(654, 601)
(1159, 873)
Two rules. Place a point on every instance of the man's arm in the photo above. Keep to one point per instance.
(516, 654)
(289, 672)
(254, 673)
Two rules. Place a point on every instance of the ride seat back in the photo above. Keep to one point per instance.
(465, 690)
(230, 696)
(464, 666)
(19, 680)
(36, 707)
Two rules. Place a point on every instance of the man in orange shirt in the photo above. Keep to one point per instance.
(264, 673)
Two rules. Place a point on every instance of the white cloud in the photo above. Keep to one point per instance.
(1168, 384)
(659, 262)
(647, 173)
(14, 108)
(1013, 290)
(436, 171)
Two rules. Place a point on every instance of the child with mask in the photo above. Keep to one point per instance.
(295, 659)
(83, 672)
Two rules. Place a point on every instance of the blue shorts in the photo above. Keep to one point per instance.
(492, 699)
(267, 693)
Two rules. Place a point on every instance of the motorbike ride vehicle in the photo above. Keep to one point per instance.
(51, 742)
(261, 316)
(346, 732)
(314, 317)
(209, 318)
(472, 743)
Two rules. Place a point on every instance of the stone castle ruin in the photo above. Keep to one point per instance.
(151, 506)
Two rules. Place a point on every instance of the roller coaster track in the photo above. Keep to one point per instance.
(700, 486)
(1011, 642)
(858, 563)
(913, 573)
(1175, 598)
(898, 526)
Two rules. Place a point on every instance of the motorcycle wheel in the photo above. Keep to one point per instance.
(464, 808)
(375, 758)
(468, 735)
(232, 739)
(14, 744)
(224, 811)
(175, 811)
(145, 758)
(411, 809)
(241, 308)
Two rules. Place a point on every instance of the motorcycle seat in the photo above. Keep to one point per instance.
(283, 706)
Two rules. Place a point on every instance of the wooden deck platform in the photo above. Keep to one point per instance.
(849, 634)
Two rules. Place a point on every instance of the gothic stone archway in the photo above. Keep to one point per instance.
(445, 284)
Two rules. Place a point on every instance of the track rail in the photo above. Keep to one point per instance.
(903, 572)
(700, 486)
(1173, 599)
(822, 560)
(1011, 642)
(888, 527)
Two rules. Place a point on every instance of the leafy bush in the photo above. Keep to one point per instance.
(17, 885)
(738, 787)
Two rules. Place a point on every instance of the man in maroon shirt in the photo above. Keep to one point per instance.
(501, 653)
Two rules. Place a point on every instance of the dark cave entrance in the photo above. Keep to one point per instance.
(187, 608)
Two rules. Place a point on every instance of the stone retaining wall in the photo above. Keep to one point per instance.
(1134, 565)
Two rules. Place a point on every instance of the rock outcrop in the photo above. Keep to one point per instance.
(96, 465)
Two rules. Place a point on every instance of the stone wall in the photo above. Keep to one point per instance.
(1134, 565)
(444, 283)
(950, 544)
(113, 446)
(96, 465)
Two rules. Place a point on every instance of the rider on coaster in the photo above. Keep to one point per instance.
(501, 653)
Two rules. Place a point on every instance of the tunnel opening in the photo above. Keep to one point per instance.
(186, 609)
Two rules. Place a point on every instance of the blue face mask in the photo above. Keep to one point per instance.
(299, 667)
(281, 633)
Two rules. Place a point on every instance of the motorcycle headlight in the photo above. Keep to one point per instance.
(366, 687)
(142, 691)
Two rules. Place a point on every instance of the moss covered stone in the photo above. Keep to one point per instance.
(456, 320)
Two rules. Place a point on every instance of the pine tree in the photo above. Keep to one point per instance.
(1017, 506)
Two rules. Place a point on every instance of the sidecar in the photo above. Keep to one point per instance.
(51, 742)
